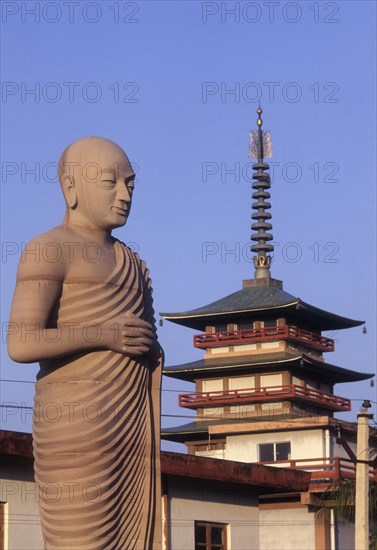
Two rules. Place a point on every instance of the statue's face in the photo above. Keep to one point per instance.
(105, 187)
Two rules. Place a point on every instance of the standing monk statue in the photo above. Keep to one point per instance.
(83, 309)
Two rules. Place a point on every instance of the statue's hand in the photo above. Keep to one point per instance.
(128, 334)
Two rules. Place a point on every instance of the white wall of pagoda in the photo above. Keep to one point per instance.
(305, 444)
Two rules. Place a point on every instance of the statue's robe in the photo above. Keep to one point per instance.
(96, 426)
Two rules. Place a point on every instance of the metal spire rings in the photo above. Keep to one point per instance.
(260, 146)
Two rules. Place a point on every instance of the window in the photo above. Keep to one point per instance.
(210, 536)
(272, 452)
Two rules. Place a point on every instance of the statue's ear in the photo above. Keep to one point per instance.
(69, 190)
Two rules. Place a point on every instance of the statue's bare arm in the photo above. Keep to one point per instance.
(39, 286)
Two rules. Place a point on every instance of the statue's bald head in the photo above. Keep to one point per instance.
(85, 158)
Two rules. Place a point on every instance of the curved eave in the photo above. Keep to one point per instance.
(337, 321)
(325, 320)
(186, 432)
(194, 320)
(202, 369)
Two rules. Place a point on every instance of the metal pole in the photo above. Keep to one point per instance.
(362, 480)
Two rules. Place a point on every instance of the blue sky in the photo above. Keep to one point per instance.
(176, 84)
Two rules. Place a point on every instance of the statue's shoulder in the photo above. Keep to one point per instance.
(44, 256)
(40, 248)
(54, 235)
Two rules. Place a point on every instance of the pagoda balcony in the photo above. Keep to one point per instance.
(264, 334)
(324, 471)
(264, 395)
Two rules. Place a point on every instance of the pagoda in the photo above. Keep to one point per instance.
(263, 390)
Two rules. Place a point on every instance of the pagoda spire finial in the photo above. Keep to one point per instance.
(260, 147)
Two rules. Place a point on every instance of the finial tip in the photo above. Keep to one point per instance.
(259, 111)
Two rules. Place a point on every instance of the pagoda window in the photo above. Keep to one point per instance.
(274, 452)
(297, 381)
(212, 385)
(258, 324)
(210, 329)
(242, 383)
(245, 383)
(312, 384)
(210, 536)
(270, 380)
(232, 327)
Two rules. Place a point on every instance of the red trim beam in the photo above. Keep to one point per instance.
(264, 334)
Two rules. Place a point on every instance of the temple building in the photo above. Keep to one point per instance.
(263, 390)
(194, 490)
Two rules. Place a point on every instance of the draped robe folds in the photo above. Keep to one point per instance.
(96, 425)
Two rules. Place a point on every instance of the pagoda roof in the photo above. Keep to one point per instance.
(185, 432)
(263, 300)
(196, 430)
(231, 365)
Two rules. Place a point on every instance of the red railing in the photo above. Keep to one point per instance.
(324, 470)
(264, 334)
(272, 393)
